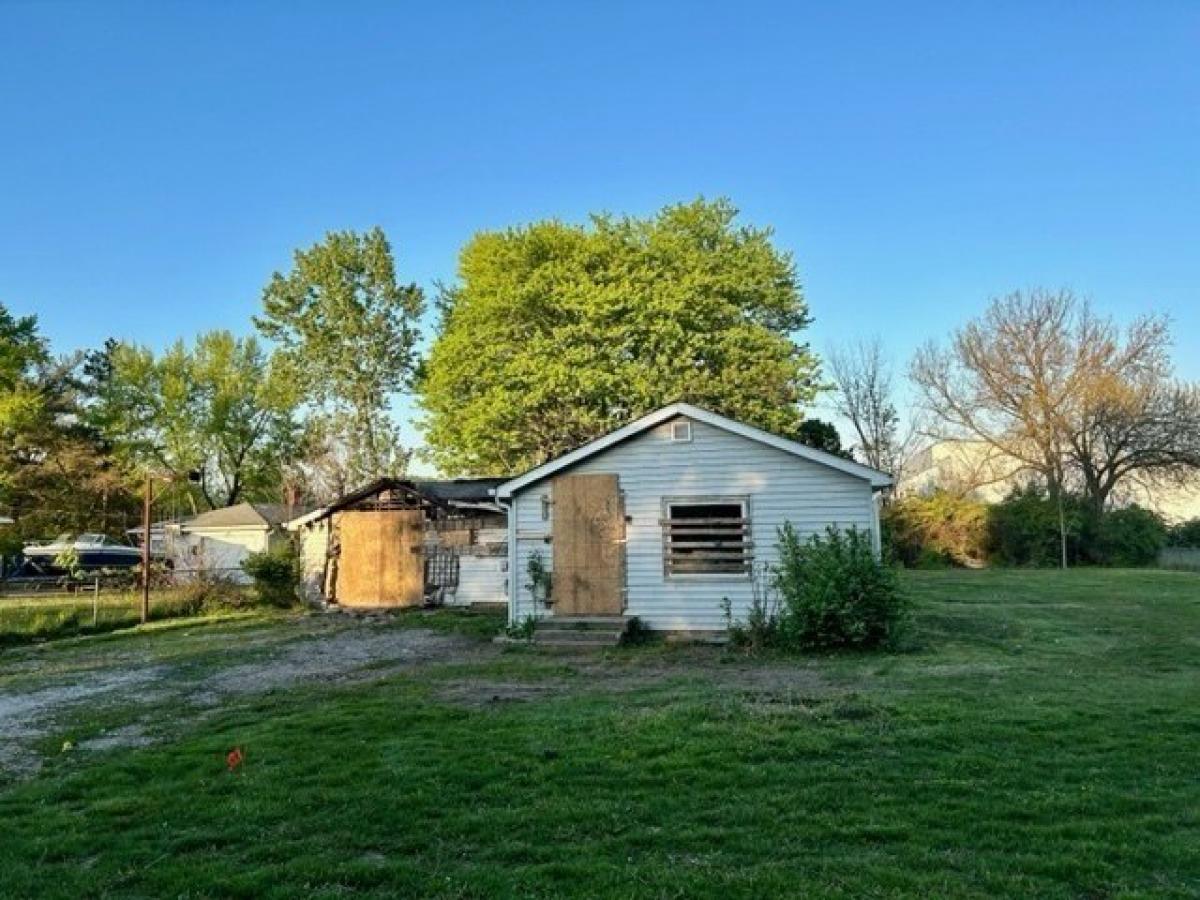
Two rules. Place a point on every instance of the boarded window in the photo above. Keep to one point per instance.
(707, 537)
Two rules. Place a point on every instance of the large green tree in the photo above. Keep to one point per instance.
(223, 407)
(556, 333)
(56, 473)
(22, 352)
(349, 331)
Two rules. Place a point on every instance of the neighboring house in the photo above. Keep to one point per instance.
(975, 469)
(220, 540)
(968, 468)
(400, 542)
(672, 519)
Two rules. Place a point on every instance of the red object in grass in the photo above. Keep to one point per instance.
(234, 758)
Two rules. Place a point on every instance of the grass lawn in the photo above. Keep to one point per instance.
(25, 619)
(1039, 736)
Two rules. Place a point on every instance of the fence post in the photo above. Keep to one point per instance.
(95, 601)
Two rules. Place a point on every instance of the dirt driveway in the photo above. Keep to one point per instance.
(121, 681)
(134, 689)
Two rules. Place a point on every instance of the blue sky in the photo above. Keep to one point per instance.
(158, 161)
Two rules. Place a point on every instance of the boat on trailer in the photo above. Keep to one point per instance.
(93, 552)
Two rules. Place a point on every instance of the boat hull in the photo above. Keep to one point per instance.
(44, 559)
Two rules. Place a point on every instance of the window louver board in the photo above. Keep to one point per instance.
(707, 537)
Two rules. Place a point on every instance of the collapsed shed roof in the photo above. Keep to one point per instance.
(447, 493)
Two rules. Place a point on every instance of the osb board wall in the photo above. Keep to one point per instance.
(381, 563)
(588, 545)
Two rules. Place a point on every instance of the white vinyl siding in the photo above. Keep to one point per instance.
(481, 575)
(777, 486)
(314, 546)
(221, 550)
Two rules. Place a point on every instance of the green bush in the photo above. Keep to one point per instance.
(11, 544)
(276, 575)
(204, 592)
(1130, 536)
(1184, 534)
(635, 633)
(760, 629)
(936, 531)
(834, 592)
(1023, 529)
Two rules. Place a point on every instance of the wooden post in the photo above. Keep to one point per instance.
(1062, 528)
(146, 549)
(95, 600)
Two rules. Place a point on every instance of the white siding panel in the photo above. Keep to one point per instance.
(220, 550)
(480, 580)
(780, 487)
(481, 570)
(314, 547)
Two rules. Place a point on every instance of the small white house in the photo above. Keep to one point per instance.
(672, 519)
(219, 540)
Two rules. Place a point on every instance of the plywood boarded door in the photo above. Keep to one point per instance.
(381, 563)
(588, 538)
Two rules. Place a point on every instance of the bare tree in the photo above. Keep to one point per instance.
(324, 468)
(864, 396)
(1067, 394)
(1008, 381)
(1137, 423)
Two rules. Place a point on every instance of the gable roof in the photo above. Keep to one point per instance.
(876, 478)
(242, 515)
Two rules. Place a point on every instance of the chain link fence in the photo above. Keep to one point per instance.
(45, 607)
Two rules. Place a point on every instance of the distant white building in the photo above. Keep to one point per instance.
(219, 540)
(976, 469)
(969, 468)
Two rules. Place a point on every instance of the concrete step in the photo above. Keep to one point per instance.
(589, 639)
(582, 623)
(579, 631)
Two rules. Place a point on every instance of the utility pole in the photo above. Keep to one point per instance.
(147, 499)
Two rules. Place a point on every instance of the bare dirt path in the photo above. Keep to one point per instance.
(202, 669)
(135, 689)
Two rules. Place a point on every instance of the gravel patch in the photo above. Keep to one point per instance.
(330, 652)
(27, 717)
(122, 738)
(344, 655)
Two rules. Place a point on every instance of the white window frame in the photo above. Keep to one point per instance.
(706, 500)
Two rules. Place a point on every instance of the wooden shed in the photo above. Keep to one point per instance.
(401, 542)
